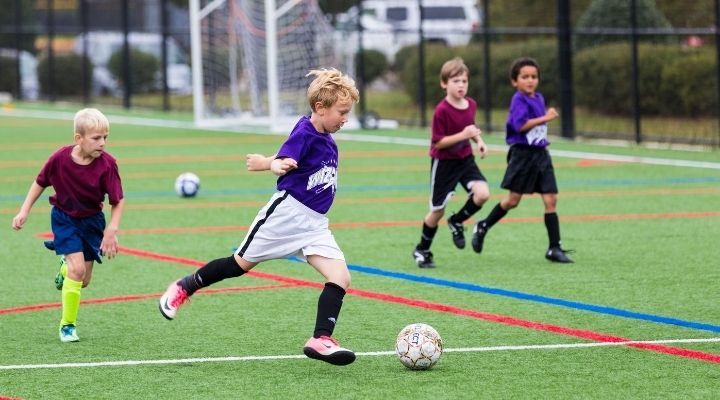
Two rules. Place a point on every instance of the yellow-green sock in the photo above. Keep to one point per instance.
(63, 269)
(70, 301)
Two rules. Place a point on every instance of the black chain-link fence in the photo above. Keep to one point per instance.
(637, 70)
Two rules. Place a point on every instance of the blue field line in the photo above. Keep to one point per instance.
(534, 297)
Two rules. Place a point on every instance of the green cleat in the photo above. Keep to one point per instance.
(62, 273)
(68, 334)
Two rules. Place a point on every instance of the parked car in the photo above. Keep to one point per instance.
(391, 25)
(102, 45)
(29, 83)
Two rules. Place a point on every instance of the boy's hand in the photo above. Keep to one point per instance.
(19, 221)
(482, 148)
(281, 166)
(471, 131)
(109, 245)
(551, 114)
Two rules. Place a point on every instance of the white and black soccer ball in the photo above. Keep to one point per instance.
(418, 346)
(187, 184)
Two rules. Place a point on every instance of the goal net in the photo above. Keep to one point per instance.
(250, 58)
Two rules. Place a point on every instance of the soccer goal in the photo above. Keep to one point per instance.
(250, 58)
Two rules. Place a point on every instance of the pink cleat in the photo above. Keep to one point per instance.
(172, 299)
(328, 349)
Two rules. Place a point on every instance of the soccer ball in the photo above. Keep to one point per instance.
(418, 346)
(187, 184)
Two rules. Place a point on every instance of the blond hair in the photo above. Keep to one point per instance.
(90, 120)
(329, 87)
(453, 68)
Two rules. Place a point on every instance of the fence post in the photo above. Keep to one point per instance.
(635, 74)
(51, 53)
(421, 68)
(164, 54)
(18, 72)
(86, 79)
(486, 65)
(717, 65)
(567, 102)
(126, 54)
(361, 62)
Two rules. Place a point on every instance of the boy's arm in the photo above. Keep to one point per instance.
(258, 162)
(469, 132)
(281, 166)
(482, 147)
(550, 115)
(109, 245)
(33, 194)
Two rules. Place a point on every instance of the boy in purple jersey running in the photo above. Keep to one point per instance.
(453, 126)
(81, 175)
(530, 168)
(293, 222)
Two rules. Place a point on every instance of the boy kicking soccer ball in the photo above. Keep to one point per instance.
(293, 222)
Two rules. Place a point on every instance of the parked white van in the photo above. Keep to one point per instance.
(102, 45)
(392, 24)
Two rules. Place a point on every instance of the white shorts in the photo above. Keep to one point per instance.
(285, 227)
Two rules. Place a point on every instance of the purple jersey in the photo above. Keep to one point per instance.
(522, 109)
(314, 181)
(448, 120)
(80, 189)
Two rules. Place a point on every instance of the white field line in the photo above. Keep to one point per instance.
(360, 354)
(358, 137)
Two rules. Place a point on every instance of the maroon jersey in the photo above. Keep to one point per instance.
(448, 120)
(80, 189)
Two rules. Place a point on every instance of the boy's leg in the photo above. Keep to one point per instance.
(479, 193)
(482, 227)
(555, 252)
(72, 286)
(215, 271)
(61, 274)
(422, 254)
(322, 346)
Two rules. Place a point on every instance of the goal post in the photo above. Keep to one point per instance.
(250, 59)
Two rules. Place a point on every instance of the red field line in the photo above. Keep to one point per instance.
(497, 318)
(122, 299)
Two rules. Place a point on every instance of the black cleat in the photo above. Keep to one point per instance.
(423, 258)
(458, 232)
(478, 237)
(558, 255)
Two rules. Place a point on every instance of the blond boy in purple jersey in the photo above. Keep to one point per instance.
(293, 222)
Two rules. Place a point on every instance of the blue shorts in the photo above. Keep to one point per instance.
(73, 235)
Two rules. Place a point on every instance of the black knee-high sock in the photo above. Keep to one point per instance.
(212, 272)
(328, 309)
(466, 211)
(427, 236)
(552, 224)
(495, 215)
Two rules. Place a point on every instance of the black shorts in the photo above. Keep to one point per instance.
(529, 170)
(446, 174)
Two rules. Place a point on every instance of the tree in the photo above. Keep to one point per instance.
(616, 14)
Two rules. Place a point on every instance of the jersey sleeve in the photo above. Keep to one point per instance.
(293, 146)
(519, 113)
(113, 184)
(439, 126)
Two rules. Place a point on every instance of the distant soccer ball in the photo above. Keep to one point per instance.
(419, 346)
(187, 184)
